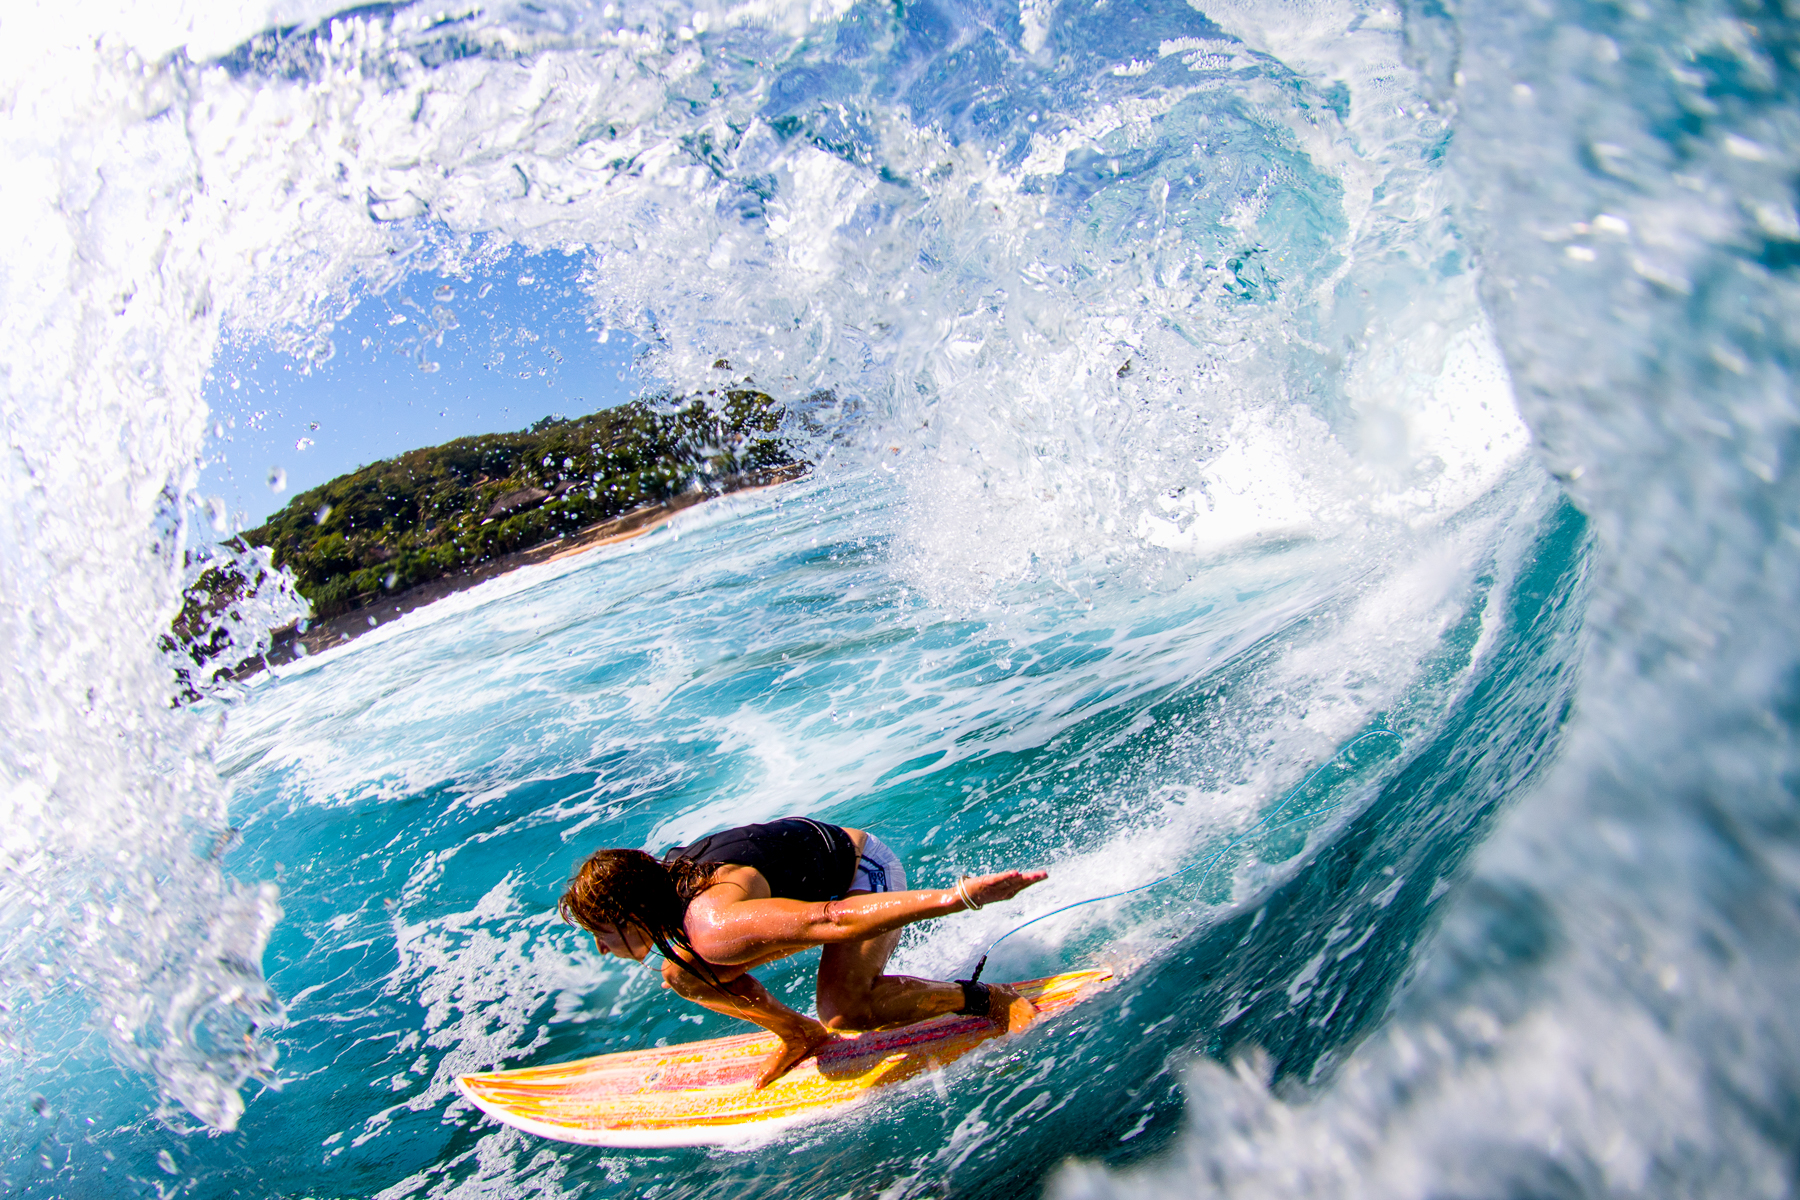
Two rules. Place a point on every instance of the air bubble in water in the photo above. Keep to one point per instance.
(277, 480)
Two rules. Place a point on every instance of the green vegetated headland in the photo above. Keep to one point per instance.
(431, 512)
(447, 510)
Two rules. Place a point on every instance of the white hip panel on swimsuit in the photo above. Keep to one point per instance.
(878, 870)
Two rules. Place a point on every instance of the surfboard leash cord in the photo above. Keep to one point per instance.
(1263, 825)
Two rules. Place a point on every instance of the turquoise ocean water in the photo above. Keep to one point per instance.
(760, 660)
(1190, 389)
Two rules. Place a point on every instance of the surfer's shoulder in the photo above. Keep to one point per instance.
(732, 882)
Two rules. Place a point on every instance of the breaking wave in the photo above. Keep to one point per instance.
(1188, 391)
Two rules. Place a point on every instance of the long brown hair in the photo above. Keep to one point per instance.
(623, 888)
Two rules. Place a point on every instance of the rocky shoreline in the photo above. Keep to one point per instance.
(289, 643)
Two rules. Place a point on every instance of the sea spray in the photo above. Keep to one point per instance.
(112, 903)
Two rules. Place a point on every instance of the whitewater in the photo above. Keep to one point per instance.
(1189, 390)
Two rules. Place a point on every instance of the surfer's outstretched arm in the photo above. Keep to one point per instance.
(727, 929)
(745, 998)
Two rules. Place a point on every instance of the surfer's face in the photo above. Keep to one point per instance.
(629, 943)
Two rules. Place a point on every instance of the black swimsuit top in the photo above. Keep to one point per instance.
(801, 858)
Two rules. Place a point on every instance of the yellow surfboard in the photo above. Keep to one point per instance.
(703, 1093)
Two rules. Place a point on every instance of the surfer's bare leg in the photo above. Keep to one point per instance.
(743, 997)
(855, 993)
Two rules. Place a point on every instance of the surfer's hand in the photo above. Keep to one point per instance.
(1009, 1010)
(795, 1046)
(989, 889)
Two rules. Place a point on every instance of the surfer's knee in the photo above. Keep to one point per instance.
(851, 1020)
(682, 982)
(852, 1011)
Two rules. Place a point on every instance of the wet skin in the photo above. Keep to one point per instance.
(737, 924)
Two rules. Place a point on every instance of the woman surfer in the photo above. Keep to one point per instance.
(738, 899)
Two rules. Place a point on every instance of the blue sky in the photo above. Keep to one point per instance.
(516, 345)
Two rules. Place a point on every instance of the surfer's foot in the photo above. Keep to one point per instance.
(1009, 1010)
(795, 1047)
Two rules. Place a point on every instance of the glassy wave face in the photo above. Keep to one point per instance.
(1158, 367)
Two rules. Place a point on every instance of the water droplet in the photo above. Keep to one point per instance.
(166, 1161)
(527, 279)
(485, 289)
(277, 480)
(444, 294)
(429, 368)
(1743, 147)
(303, 443)
(324, 513)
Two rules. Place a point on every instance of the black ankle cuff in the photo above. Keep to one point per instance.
(977, 1000)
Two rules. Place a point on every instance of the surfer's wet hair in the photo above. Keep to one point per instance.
(624, 888)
